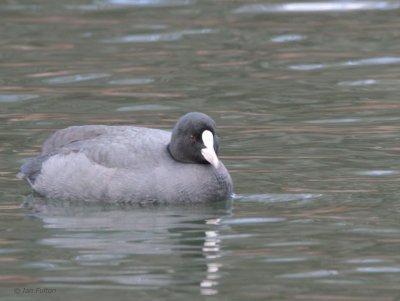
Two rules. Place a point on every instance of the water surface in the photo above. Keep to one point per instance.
(305, 95)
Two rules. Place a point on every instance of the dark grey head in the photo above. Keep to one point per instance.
(194, 140)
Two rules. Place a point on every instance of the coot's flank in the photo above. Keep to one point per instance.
(132, 164)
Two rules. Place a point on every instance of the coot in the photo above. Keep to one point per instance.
(132, 164)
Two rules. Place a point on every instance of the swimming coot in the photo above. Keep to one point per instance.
(132, 164)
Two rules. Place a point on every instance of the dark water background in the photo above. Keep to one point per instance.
(307, 102)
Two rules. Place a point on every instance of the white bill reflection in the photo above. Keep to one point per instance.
(211, 251)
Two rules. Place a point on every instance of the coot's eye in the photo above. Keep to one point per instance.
(192, 138)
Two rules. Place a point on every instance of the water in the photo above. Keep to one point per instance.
(306, 99)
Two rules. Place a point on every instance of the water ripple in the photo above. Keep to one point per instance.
(286, 259)
(149, 26)
(376, 231)
(149, 107)
(76, 78)
(235, 236)
(282, 197)
(362, 62)
(307, 67)
(312, 274)
(379, 270)
(323, 121)
(293, 243)
(364, 260)
(253, 220)
(339, 282)
(112, 4)
(374, 61)
(98, 257)
(377, 172)
(41, 265)
(16, 97)
(170, 36)
(131, 81)
(144, 2)
(287, 38)
(363, 82)
(295, 7)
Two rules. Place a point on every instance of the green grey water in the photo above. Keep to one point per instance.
(307, 102)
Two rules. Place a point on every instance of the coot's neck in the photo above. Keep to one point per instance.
(169, 151)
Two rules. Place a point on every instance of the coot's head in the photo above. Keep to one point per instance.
(194, 140)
